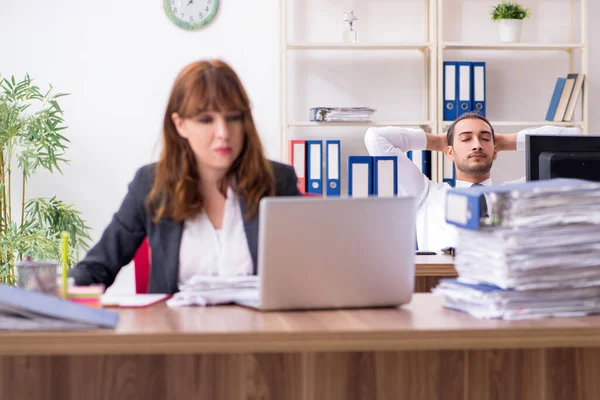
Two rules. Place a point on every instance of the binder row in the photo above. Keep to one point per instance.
(464, 88)
(372, 176)
(367, 175)
(306, 156)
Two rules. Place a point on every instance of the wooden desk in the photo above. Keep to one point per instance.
(421, 351)
(430, 269)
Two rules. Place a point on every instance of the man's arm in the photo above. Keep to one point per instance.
(437, 142)
(396, 141)
(516, 141)
(506, 141)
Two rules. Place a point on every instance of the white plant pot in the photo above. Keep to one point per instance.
(510, 30)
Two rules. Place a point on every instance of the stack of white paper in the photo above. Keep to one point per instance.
(531, 258)
(344, 114)
(203, 290)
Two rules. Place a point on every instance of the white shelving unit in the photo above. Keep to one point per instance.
(433, 49)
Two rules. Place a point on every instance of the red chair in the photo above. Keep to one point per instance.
(141, 262)
(141, 265)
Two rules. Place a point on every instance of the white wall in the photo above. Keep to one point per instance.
(119, 59)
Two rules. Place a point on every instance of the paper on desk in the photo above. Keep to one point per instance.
(213, 290)
(133, 301)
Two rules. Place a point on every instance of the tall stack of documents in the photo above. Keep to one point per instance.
(341, 114)
(529, 250)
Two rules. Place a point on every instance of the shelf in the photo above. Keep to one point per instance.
(527, 123)
(358, 46)
(367, 124)
(511, 46)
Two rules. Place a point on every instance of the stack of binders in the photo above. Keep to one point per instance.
(464, 90)
(528, 250)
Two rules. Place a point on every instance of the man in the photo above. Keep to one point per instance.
(470, 143)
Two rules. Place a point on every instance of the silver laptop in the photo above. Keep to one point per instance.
(335, 253)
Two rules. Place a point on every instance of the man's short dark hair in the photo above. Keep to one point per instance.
(469, 115)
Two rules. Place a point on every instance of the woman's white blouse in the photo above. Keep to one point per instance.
(207, 251)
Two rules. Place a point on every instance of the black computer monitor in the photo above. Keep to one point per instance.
(569, 156)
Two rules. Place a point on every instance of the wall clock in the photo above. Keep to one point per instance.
(191, 14)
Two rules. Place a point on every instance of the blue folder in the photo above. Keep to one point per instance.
(368, 161)
(333, 171)
(394, 180)
(464, 87)
(314, 166)
(450, 92)
(478, 87)
(558, 88)
(55, 307)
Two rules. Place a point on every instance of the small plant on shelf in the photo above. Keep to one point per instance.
(509, 10)
(511, 16)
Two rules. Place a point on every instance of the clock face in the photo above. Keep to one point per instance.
(191, 14)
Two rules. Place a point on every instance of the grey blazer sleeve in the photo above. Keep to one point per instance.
(121, 238)
(286, 180)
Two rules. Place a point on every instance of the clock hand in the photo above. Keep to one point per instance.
(190, 2)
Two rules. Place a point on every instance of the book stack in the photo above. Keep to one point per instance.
(564, 98)
(90, 296)
(341, 114)
(534, 255)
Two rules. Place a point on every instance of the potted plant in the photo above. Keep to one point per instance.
(511, 15)
(31, 127)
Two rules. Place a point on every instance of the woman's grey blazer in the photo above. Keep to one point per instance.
(131, 224)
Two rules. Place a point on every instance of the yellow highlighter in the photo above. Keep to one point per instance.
(64, 252)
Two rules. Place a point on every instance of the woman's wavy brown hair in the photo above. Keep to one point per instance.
(175, 194)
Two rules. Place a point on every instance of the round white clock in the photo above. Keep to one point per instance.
(191, 14)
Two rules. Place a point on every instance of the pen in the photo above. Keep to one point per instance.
(64, 260)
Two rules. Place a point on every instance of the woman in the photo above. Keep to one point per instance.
(198, 205)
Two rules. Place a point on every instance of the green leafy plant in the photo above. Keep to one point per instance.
(31, 125)
(509, 10)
